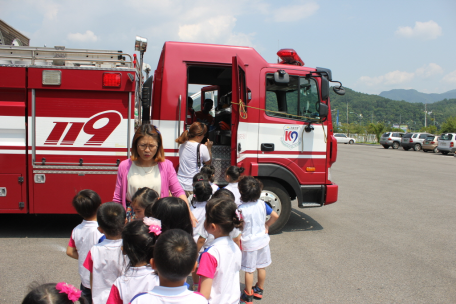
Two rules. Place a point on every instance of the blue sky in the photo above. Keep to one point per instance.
(371, 46)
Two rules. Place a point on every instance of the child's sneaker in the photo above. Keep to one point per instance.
(257, 292)
(246, 298)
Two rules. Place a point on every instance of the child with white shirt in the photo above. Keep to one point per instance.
(142, 199)
(174, 259)
(138, 239)
(220, 263)
(202, 192)
(255, 238)
(233, 175)
(105, 260)
(209, 171)
(85, 235)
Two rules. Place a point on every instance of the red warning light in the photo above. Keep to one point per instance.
(289, 56)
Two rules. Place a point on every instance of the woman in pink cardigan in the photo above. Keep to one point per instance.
(147, 167)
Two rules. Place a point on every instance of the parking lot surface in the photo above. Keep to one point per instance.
(390, 238)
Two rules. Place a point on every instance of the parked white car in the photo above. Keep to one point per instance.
(344, 139)
(447, 142)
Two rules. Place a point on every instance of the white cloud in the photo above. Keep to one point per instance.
(429, 70)
(218, 29)
(391, 78)
(422, 30)
(88, 36)
(451, 77)
(293, 13)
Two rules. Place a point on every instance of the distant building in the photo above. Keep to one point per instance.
(11, 36)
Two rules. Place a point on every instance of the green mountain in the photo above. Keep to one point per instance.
(364, 109)
(415, 96)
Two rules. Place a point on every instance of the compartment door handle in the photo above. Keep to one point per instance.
(267, 147)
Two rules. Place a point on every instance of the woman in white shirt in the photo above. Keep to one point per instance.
(190, 143)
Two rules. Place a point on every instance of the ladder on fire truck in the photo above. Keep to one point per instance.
(60, 56)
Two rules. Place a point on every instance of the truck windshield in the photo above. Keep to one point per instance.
(296, 100)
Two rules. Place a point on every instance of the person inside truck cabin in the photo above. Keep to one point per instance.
(191, 118)
(204, 116)
(85, 235)
(147, 167)
(192, 155)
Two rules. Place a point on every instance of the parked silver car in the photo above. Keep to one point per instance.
(344, 139)
(391, 139)
(447, 142)
(413, 140)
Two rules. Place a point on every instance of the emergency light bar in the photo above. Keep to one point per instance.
(289, 56)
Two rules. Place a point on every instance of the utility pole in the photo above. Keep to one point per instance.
(372, 120)
(425, 116)
(348, 126)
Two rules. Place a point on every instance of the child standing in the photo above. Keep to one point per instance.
(202, 192)
(233, 175)
(85, 235)
(174, 258)
(255, 238)
(143, 198)
(138, 239)
(105, 260)
(209, 170)
(220, 263)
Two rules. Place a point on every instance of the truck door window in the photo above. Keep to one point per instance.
(296, 100)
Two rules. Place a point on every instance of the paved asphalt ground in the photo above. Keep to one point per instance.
(390, 238)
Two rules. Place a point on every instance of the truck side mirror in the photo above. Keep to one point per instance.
(281, 77)
(324, 88)
(339, 90)
(323, 110)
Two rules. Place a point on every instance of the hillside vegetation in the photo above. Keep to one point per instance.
(415, 96)
(364, 109)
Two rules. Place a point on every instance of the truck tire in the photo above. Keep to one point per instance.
(417, 147)
(395, 145)
(276, 196)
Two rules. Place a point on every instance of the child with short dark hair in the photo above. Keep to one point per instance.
(209, 170)
(233, 176)
(143, 198)
(105, 260)
(174, 259)
(220, 263)
(173, 213)
(138, 239)
(52, 293)
(85, 235)
(202, 192)
(255, 239)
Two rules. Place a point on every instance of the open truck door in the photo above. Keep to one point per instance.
(239, 100)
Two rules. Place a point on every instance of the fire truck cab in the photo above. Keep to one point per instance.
(271, 119)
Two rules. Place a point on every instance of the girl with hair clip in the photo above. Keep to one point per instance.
(173, 214)
(141, 200)
(233, 176)
(147, 167)
(209, 170)
(192, 154)
(52, 293)
(138, 239)
(220, 263)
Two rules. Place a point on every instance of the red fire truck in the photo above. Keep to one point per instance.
(67, 117)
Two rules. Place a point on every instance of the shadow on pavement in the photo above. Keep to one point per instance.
(299, 221)
(38, 226)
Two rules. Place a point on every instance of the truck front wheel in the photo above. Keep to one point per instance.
(276, 196)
